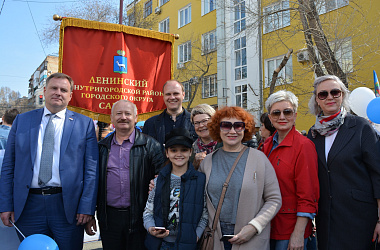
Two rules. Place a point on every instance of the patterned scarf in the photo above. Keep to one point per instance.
(328, 125)
(201, 147)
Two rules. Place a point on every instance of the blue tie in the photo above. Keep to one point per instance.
(47, 153)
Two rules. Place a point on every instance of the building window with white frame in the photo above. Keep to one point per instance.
(342, 50)
(240, 58)
(148, 8)
(241, 96)
(209, 86)
(239, 16)
(207, 6)
(209, 42)
(131, 20)
(276, 16)
(162, 2)
(184, 16)
(284, 76)
(164, 25)
(187, 88)
(324, 6)
(184, 52)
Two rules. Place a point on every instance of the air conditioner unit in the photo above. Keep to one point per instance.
(157, 10)
(303, 56)
(180, 65)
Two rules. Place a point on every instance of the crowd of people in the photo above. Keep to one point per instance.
(164, 187)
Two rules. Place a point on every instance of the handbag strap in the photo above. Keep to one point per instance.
(224, 190)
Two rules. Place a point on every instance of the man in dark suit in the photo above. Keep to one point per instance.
(49, 177)
(173, 116)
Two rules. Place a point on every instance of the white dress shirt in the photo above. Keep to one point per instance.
(58, 121)
(329, 140)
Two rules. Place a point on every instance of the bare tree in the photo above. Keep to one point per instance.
(277, 70)
(8, 97)
(324, 36)
(196, 69)
(94, 10)
(140, 17)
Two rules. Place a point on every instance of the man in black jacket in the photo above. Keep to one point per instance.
(128, 160)
(174, 116)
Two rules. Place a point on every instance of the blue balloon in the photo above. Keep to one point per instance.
(373, 110)
(38, 242)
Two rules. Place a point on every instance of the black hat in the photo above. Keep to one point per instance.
(178, 136)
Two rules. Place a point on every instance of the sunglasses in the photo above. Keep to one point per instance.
(288, 113)
(238, 126)
(335, 93)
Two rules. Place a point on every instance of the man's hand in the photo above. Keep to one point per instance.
(90, 227)
(151, 184)
(83, 219)
(199, 158)
(6, 216)
(245, 234)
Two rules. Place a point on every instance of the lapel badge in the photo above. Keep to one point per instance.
(71, 119)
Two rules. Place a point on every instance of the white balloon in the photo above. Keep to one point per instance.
(359, 100)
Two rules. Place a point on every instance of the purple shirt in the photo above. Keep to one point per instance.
(118, 183)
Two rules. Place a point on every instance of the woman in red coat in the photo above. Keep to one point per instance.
(294, 159)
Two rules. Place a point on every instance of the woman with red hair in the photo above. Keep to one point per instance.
(253, 195)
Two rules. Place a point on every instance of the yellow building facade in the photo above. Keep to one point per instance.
(194, 52)
(352, 29)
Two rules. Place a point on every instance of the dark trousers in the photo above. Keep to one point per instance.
(116, 234)
(44, 214)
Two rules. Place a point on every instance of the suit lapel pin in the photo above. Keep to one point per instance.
(71, 119)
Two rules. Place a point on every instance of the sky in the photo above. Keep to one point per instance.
(21, 51)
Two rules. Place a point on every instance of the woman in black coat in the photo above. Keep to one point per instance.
(348, 169)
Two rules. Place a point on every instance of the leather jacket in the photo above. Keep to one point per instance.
(155, 126)
(145, 160)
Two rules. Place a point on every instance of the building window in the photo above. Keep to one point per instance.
(239, 16)
(241, 96)
(325, 6)
(162, 2)
(187, 88)
(184, 52)
(184, 16)
(207, 6)
(148, 8)
(240, 58)
(131, 20)
(164, 26)
(278, 19)
(342, 50)
(209, 42)
(285, 75)
(209, 86)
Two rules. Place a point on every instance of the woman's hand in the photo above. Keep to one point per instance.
(159, 233)
(376, 233)
(245, 234)
(199, 158)
(296, 241)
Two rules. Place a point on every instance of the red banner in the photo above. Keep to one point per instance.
(109, 62)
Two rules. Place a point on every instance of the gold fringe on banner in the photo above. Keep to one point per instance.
(86, 24)
(106, 118)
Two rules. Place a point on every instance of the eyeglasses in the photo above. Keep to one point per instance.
(335, 93)
(238, 126)
(288, 113)
(204, 122)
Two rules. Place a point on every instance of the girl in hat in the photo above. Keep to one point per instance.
(175, 215)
